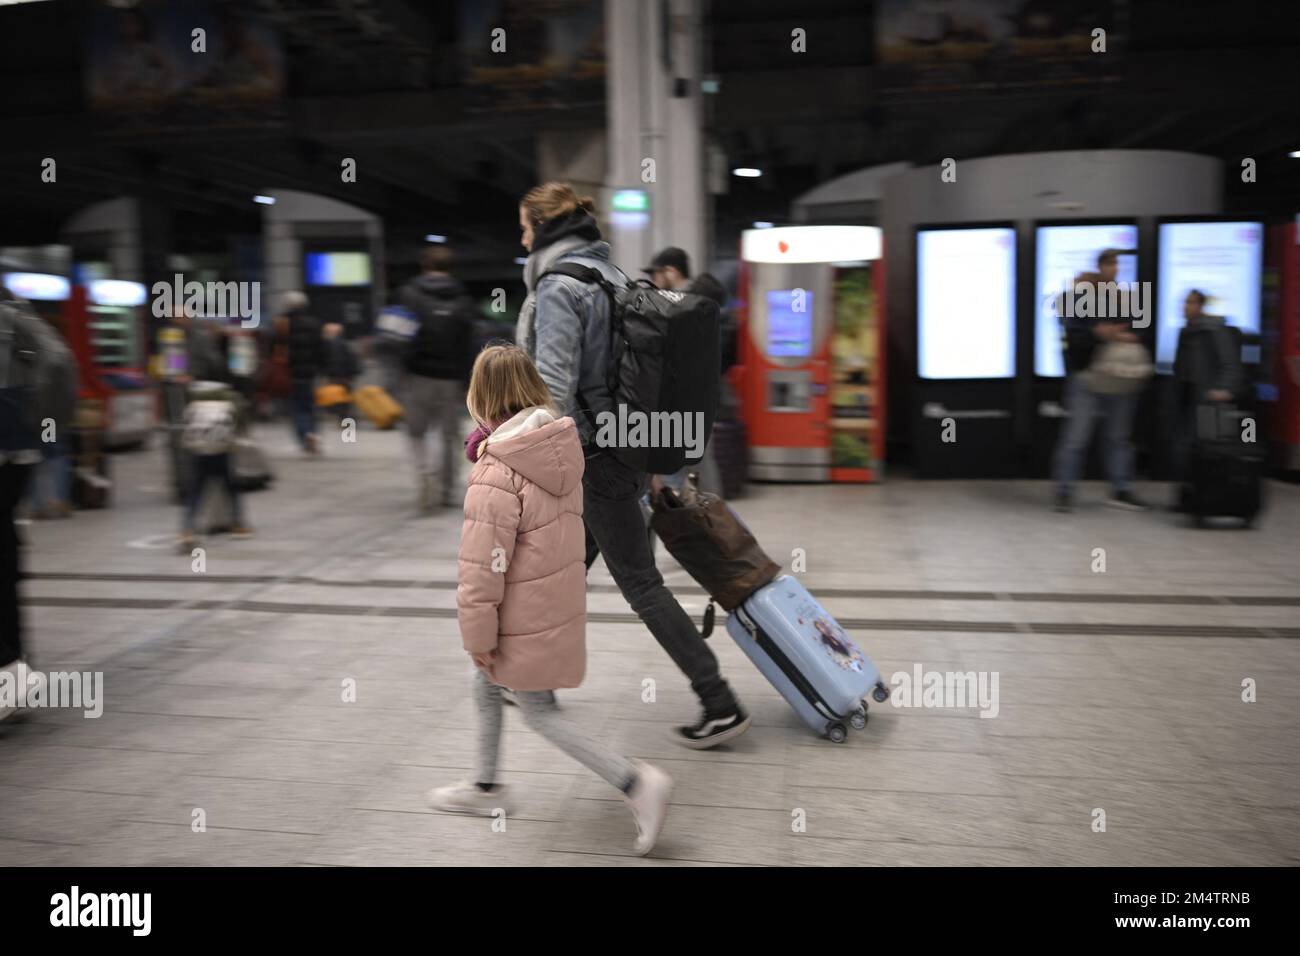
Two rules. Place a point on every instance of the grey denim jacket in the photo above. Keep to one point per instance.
(571, 337)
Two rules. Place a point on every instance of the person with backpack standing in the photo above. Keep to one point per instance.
(437, 367)
(212, 419)
(564, 326)
(51, 487)
(306, 355)
(36, 371)
(340, 369)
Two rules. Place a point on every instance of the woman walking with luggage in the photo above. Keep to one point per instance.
(564, 326)
(522, 592)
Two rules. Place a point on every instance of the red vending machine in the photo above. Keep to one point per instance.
(1283, 287)
(105, 330)
(811, 372)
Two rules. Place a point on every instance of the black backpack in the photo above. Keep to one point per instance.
(664, 350)
(441, 346)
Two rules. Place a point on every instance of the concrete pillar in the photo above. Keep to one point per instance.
(646, 51)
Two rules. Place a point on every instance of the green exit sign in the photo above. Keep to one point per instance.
(630, 200)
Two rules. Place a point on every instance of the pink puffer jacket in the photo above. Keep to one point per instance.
(523, 577)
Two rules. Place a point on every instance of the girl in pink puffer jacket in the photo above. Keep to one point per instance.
(522, 591)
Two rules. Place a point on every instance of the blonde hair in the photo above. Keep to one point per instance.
(552, 200)
(505, 382)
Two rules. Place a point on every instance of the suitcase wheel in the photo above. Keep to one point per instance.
(858, 719)
(837, 732)
(880, 694)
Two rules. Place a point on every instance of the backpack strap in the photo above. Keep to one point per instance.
(593, 276)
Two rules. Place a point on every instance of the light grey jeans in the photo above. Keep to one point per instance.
(542, 714)
(434, 403)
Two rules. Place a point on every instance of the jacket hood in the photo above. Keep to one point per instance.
(542, 448)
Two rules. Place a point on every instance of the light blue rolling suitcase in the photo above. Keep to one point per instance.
(807, 656)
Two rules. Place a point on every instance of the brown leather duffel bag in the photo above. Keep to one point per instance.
(712, 544)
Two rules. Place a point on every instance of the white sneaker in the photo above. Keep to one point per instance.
(648, 802)
(21, 677)
(465, 797)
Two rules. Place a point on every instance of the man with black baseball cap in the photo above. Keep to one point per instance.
(670, 269)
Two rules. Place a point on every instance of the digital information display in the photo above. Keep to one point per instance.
(1063, 252)
(1222, 259)
(789, 329)
(966, 303)
(337, 268)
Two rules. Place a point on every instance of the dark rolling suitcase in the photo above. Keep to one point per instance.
(730, 457)
(1224, 480)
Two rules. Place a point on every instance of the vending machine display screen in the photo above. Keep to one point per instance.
(1064, 253)
(789, 323)
(1224, 260)
(966, 303)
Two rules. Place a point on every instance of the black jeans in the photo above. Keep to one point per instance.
(616, 530)
(211, 467)
(13, 481)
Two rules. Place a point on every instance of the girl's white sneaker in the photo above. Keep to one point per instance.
(648, 801)
(465, 797)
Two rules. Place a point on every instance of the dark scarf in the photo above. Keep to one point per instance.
(578, 223)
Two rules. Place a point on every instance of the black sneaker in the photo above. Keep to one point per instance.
(713, 729)
(1126, 500)
(1064, 502)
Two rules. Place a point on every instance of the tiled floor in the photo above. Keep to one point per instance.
(224, 698)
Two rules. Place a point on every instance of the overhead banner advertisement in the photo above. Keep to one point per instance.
(519, 55)
(946, 45)
(186, 62)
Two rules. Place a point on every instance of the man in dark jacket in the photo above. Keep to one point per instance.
(437, 369)
(1208, 372)
(306, 356)
(671, 269)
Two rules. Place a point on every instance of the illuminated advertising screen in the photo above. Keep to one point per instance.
(1224, 260)
(1063, 254)
(966, 303)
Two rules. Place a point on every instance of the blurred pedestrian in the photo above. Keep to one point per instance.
(51, 486)
(671, 269)
(1207, 370)
(1084, 336)
(339, 368)
(437, 365)
(564, 326)
(521, 593)
(305, 356)
(34, 376)
(213, 418)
